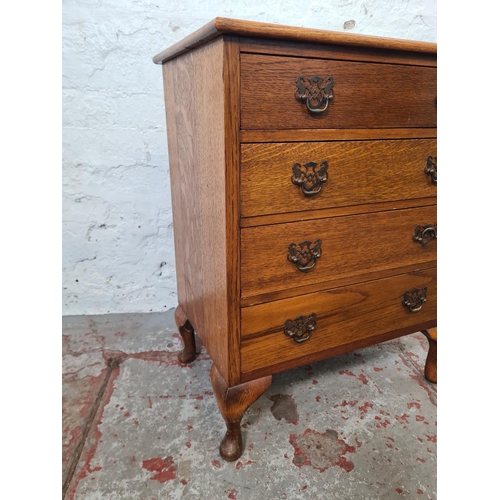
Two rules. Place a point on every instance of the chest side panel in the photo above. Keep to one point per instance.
(194, 95)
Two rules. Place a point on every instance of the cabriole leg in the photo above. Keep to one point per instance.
(431, 363)
(233, 402)
(188, 354)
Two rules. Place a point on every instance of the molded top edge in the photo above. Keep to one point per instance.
(222, 25)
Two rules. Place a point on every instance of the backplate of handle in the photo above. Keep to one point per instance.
(310, 177)
(300, 328)
(304, 255)
(314, 93)
(415, 299)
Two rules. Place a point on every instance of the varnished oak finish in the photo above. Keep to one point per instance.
(221, 25)
(333, 351)
(232, 403)
(341, 53)
(235, 130)
(365, 94)
(359, 172)
(301, 135)
(201, 157)
(333, 283)
(364, 208)
(343, 315)
(351, 245)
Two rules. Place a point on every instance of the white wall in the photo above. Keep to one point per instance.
(118, 253)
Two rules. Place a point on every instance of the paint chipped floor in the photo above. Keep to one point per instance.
(138, 425)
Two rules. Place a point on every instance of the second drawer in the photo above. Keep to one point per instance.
(285, 256)
(291, 177)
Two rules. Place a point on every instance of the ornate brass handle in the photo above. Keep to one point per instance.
(299, 329)
(310, 178)
(314, 94)
(425, 234)
(303, 254)
(431, 169)
(415, 299)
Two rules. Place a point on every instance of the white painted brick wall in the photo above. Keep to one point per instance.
(118, 253)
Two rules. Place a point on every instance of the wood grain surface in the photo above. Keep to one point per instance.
(337, 51)
(233, 226)
(231, 78)
(235, 129)
(324, 213)
(366, 95)
(358, 172)
(197, 155)
(221, 25)
(343, 316)
(339, 134)
(334, 283)
(351, 246)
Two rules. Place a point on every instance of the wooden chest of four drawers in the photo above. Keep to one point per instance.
(303, 171)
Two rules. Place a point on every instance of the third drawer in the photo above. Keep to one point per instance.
(291, 255)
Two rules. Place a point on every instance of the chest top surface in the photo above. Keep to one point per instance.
(224, 26)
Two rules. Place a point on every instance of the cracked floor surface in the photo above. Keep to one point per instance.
(138, 425)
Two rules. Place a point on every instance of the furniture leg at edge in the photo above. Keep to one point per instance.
(431, 362)
(188, 353)
(232, 403)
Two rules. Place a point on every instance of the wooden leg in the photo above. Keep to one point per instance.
(431, 363)
(233, 402)
(188, 354)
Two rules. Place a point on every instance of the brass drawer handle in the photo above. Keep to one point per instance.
(415, 299)
(431, 169)
(299, 329)
(314, 94)
(303, 254)
(425, 234)
(310, 178)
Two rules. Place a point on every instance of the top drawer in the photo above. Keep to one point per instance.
(365, 95)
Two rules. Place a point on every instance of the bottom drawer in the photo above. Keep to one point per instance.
(340, 317)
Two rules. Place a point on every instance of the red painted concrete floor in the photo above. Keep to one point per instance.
(137, 425)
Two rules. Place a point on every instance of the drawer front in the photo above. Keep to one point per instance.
(365, 95)
(342, 316)
(276, 257)
(292, 177)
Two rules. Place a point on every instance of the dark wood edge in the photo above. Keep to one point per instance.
(321, 213)
(221, 25)
(336, 283)
(289, 48)
(232, 156)
(334, 351)
(343, 134)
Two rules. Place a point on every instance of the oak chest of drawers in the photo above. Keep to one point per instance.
(303, 173)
